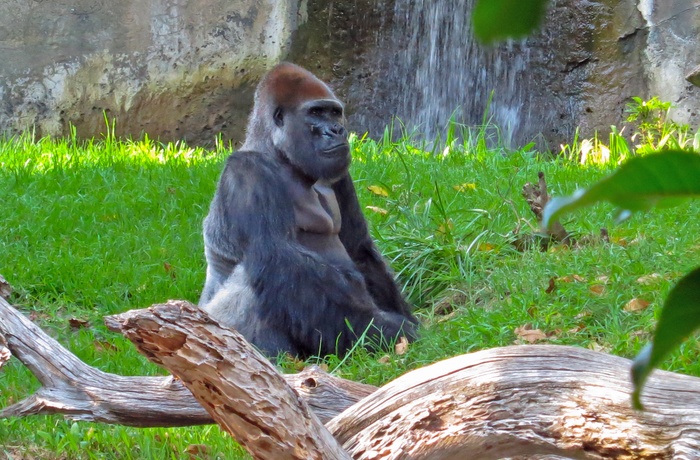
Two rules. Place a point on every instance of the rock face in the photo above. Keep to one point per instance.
(174, 69)
(580, 70)
(177, 69)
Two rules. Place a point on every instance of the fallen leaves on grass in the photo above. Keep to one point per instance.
(378, 210)
(378, 190)
(527, 334)
(636, 304)
(650, 279)
(401, 346)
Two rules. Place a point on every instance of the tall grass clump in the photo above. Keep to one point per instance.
(649, 129)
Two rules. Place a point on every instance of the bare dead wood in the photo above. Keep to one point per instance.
(525, 400)
(510, 401)
(507, 402)
(537, 198)
(5, 288)
(80, 392)
(5, 354)
(236, 384)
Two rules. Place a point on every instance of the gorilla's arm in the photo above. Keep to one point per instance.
(297, 294)
(354, 235)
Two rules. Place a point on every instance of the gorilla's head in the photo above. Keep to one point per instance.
(298, 117)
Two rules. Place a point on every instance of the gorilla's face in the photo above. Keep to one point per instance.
(314, 139)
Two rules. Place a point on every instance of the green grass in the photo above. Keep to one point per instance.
(96, 228)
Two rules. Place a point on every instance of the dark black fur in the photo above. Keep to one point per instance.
(261, 280)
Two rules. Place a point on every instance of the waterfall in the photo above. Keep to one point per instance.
(438, 71)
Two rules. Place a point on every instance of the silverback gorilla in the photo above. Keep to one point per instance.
(290, 263)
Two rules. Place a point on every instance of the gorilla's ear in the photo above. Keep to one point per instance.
(278, 117)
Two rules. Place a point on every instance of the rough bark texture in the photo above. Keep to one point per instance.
(524, 400)
(81, 392)
(537, 198)
(5, 354)
(236, 384)
(505, 402)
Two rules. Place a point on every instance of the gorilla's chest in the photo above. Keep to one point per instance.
(316, 211)
(317, 218)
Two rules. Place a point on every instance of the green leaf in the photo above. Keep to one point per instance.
(500, 19)
(659, 179)
(680, 316)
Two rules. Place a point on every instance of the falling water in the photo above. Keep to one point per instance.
(440, 72)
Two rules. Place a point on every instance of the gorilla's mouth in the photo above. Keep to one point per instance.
(336, 149)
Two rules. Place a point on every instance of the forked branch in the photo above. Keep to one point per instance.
(504, 402)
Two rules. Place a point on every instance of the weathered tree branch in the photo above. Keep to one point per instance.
(236, 384)
(520, 400)
(537, 198)
(5, 354)
(81, 392)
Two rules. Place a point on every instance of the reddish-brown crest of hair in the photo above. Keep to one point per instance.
(289, 85)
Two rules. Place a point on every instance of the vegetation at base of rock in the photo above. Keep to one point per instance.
(95, 228)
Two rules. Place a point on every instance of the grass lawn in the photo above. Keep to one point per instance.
(91, 229)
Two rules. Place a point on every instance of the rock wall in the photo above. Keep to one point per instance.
(174, 69)
(177, 69)
(579, 71)
(672, 52)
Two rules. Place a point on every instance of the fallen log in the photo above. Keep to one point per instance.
(81, 392)
(513, 401)
(237, 385)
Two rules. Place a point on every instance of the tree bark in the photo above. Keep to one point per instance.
(236, 384)
(81, 392)
(5, 354)
(525, 400)
(513, 401)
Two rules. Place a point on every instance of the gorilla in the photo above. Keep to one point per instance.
(290, 263)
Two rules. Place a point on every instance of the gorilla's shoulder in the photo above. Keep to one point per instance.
(250, 162)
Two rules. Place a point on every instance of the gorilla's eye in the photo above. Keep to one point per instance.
(316, 111)
(278, 117)
(336, 112)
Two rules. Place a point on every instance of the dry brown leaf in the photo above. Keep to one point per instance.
(571, 279)
(636, 305)
(169, 270)
(378, 190)
(197, 450)
(551, 286)
(652, 278)
(485, 247)
(401, 346)
(603, 279)
(378, 210)
(77, 323)
(386, 359)
(530, 335)
(595, 346)
(597, 289)
(620, 241)
(101, 345)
